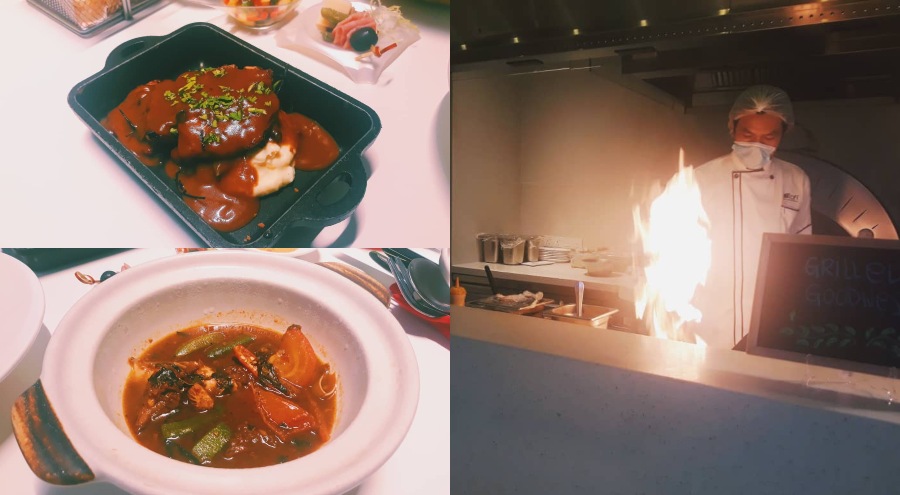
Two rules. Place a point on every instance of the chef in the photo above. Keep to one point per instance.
(746, 193)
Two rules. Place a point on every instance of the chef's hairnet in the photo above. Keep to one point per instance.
(762, 99)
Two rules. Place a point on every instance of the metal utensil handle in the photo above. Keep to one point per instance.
(381, 259)
(404, 254)
(579, 298)
(490, 277)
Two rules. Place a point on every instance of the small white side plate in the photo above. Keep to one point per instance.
(537, 263)
(22, 307)
(301, 34)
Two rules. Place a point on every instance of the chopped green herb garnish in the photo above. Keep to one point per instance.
(173, 131)
(169, 96)
(211, 138)
(261, 88)
(189, 85)
(256, 111)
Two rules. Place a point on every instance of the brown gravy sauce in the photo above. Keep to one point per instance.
(204, 127)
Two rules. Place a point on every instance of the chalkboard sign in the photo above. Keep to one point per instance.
(836, 299)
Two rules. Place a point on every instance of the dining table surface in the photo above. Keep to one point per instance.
(61, 187)
(420, 465)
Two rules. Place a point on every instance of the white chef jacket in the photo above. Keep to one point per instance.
(742, 204)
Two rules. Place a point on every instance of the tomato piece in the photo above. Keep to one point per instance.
(295, 360)
(285, 418)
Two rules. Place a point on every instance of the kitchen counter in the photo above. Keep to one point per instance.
(420, 465)
(561, 274)
(868, 395)
(63, 187)
(540, 406)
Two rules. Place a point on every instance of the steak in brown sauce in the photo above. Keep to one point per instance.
(203, 114)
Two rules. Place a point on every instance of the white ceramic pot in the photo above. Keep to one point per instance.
(86, 365)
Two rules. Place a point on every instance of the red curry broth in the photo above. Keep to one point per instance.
(254, 414)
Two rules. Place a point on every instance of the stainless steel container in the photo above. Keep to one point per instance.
(513, 251)
(532, 253)
(490, 247)
(594, 316)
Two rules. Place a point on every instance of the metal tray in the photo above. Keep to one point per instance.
(519, 308)
(323, 197)
(130, 11)
(595, 316)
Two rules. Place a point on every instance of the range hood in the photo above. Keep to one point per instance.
(692, 53)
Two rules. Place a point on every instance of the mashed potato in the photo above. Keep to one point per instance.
(274, 165)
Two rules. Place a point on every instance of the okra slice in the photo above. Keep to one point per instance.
(212, 443)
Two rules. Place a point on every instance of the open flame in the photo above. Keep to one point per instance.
(674, 257)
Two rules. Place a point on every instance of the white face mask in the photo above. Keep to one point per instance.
(753, 156)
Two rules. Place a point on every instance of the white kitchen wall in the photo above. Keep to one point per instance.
(485, 172)
(585, 150)
(590, 150)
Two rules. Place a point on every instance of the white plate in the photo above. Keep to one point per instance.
(22, 307)
(302, 34)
